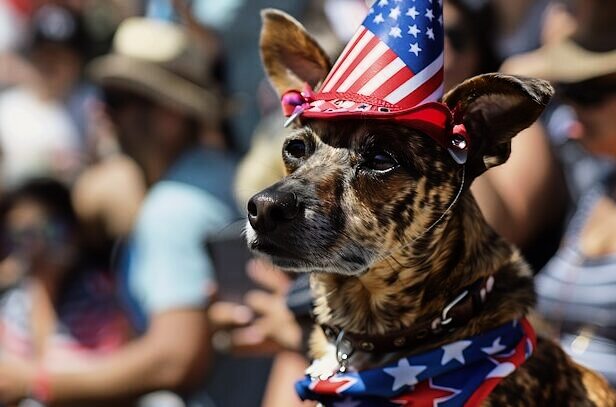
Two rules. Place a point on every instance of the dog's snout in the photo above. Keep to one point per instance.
(268, 209)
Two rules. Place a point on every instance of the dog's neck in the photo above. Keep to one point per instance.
(418, 281)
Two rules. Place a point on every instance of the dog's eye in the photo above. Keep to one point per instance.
(295, 148)
(380, 161)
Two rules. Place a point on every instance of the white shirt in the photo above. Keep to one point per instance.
(37, 137)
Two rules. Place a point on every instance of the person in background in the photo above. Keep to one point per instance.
(162, 100)
(49, 145)
(239, 22)
(576, 287)
(519, 26)
(107, 198)
(468, 50)
(538, 155)
(13, 18)
(522, 214)
(61, 312)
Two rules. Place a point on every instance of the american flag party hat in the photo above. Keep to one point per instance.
(391, 69)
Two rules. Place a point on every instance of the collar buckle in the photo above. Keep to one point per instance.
(344, 351)
(445, 318)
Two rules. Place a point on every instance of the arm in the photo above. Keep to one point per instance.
(170, 277)
(161, 359)
(525, 194)
(264, 324)
(286, 369)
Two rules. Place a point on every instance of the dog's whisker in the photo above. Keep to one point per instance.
(236, 223)
(396, 261)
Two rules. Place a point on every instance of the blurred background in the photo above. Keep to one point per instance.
(132, 134)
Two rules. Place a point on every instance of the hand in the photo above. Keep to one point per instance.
(16, 380)
(11, 270)
(264, 324)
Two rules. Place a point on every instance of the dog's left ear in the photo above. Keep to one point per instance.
(291, 57)
(494, 108)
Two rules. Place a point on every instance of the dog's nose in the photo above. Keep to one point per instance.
(268, 209)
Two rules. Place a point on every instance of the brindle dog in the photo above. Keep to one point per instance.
(382, 217)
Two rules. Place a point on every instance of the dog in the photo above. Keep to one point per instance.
(383, 219)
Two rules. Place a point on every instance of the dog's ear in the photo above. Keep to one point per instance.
(494, 108)
(289, 54)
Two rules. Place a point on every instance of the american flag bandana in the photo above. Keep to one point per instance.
(462, 373)
(392, 68)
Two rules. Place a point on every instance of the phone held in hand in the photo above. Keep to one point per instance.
(230, 254)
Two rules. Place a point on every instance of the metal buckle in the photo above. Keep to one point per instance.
(342, 355)
(445, 319)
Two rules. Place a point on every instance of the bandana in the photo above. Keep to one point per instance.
(462, 373)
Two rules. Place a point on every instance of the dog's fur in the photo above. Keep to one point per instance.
(367, 192)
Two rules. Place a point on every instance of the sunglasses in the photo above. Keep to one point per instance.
(586, 95)
(50, 234)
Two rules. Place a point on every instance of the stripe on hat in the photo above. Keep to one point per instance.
(381, 77)
(350, 46)
(372, 57)
(366, 37)
(425, 90)
(416, 81)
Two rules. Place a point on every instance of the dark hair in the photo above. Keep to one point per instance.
(55, 198)
(590, 92)
(51, 194)
(479, 19)
(56, 25)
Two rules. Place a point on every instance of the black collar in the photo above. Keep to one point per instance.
(454, 315)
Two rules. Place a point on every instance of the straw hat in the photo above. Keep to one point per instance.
(160, 60)
(589, 53)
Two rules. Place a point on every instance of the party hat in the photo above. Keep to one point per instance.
(391, 69)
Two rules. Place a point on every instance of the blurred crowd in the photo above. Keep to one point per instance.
(133, 132)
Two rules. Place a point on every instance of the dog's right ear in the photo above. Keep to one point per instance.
(290, 55)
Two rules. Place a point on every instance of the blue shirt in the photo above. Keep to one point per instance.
(167, 265)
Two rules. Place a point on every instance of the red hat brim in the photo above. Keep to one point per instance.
(433, 118)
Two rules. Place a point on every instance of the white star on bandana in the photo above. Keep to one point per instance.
(404, 374)
(495, 348)
(454, 351)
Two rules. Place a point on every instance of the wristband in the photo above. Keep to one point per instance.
(41, 388)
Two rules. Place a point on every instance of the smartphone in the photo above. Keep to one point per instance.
(230, 254)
